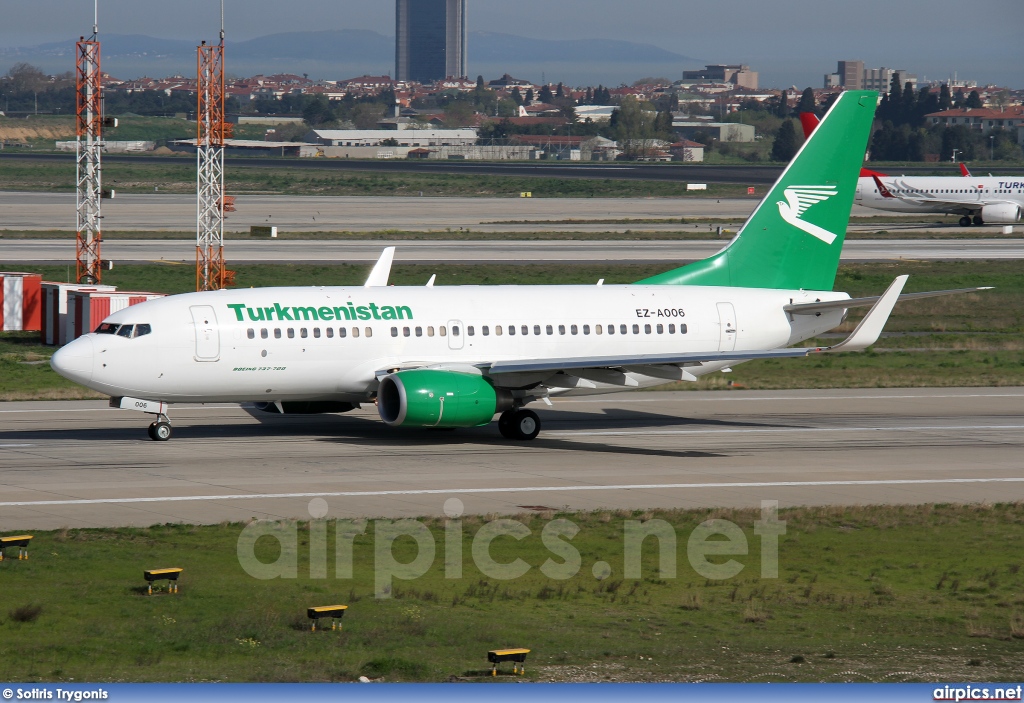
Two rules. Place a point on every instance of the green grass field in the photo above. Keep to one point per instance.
(968, 340)
(863, 594)
(178, 175)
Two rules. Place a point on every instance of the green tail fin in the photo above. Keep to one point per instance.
(794, 237)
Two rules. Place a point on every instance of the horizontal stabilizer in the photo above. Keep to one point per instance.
(815, 308)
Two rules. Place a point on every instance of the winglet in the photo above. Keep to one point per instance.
(882, 189)
(870, 328)
(963, 170)
(378, 277)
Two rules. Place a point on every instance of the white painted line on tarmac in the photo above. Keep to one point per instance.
(523, 489)
(736, 395)
(15, 446)
(776, 430)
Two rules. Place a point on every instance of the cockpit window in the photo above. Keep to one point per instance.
(107, 328)
(125, 331)
(141, 330)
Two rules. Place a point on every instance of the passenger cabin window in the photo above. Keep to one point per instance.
(455, 330)
(304, 333)
(264, 333)
(485, 330)
(342, 332)
(574, 329)
(536, 329)
(597, 329)
(586, 329)
(525, 330)
(497, 330)
(394, 331)
(277, 333)
(419, 331)
(470, 331)
(561, 329)
(682, 329)
(316, 332)
(550, 330)
(430, 331)
(368, 332)
(291, 333)
(511, 330)
(406, 332)
(622, 329)
(611, 329)
(442, 331)
(250, 333)
(330, 333)
(355, 331)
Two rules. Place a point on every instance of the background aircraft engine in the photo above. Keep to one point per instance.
(1000, 214)
(439, 398)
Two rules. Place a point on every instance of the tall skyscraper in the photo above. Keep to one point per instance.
(430, 39)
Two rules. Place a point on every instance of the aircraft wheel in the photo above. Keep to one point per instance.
(978, 221)
(965, 221)
(160, 431)
(524, 425)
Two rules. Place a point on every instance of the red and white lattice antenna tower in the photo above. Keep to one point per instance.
(211, 204)
(89, 109)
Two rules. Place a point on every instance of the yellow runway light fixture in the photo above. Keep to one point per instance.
(163, 575)
(19, 541)
(334, 612)
(516, 656)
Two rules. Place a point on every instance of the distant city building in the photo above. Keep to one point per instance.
(880, 79)
(852, 75)
(984, 119)
(739, 75)
(430, 40)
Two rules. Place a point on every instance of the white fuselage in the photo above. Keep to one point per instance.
(234, 346)
(944, 194)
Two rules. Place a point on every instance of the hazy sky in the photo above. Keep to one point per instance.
(789, 41)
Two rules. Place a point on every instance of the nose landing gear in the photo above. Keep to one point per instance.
(160, 429)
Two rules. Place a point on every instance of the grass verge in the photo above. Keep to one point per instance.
(886, 593)
(178, 175)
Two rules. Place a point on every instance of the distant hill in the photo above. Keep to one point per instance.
(336, 54)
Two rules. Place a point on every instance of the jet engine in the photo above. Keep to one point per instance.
(1000, 214)
(439, 398)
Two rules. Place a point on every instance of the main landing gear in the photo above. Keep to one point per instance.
(967, 221)
(519, 423)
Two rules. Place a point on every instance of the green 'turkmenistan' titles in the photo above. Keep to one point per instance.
(297, 313)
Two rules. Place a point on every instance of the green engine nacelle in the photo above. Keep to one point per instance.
(439, 398)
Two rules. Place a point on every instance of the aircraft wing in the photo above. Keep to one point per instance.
(866, 334)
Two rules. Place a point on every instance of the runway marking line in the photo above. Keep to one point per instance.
(777, 430)
(525, 489)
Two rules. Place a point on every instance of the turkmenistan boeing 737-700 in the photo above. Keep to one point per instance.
(456, 356)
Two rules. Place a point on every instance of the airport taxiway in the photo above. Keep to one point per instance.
(83, 464)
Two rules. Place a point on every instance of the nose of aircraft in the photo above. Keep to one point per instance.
(74, 361)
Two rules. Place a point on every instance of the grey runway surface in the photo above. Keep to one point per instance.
(83, 464)
(156, 212)
(489, 251)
